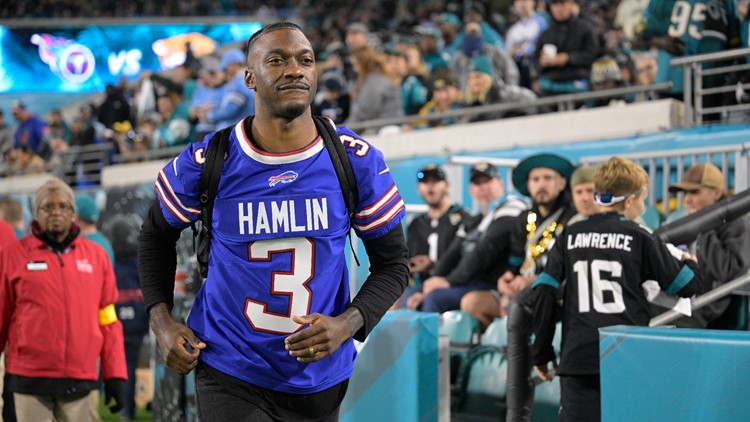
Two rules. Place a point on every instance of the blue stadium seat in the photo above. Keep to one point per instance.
(547, 394)
(481, 385)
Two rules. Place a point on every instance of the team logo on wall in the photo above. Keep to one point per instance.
(71, 61)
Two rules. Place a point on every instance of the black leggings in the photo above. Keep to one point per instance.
(519, 396)
(225, 398)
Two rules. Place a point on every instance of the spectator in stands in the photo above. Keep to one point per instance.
(114, 108)
(504, 69)
(12, 211)
(86, 129)
(52, 368)
(376, 94)
(565, 51)
(521, 39)
(429, 234)
(445, 97)
(723, 254)
(482, 88)
(237, 101)
(474, 262)
(25, 162)
(334, 104)
(59, 128)
(31, 131)
(449, 26)
(582, 190)
(174, 127)
(87, 214)
(430, 44)
(207, 96)
(474, 12)
(606, 75)
(131, 311)
(414, 92)
(357, 36)
(621, 185)
(6, 135)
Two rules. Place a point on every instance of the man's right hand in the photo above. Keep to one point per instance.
(420, 264)
(174, 339)
(503, 284)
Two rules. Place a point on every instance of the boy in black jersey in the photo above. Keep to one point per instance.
(603, 262)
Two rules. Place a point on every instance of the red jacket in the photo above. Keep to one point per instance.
(51, 306)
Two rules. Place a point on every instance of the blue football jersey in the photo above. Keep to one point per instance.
(278, 249)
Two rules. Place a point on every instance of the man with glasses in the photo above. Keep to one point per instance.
(57, 315)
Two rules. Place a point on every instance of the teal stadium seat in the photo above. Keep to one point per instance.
(463, 332)
(481, 385)
(652, 217)
(496, 333)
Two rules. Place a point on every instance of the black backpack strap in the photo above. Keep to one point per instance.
(211, 173)
(343, 168)
(209, 185)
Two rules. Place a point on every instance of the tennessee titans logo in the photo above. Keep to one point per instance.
(288, 176)
(71, 61)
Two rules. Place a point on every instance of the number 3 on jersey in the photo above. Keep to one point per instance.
(292, 283)
(598, 286)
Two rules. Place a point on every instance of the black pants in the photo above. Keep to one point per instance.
(519, 396)
(225, 398)
(580, 398)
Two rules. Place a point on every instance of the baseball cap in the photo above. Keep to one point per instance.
(232, 56)
(704, 174)
(431, 171)
(482, 168)
(87, 209)
(583, 174)
(450, 19)
(18, 104)
(443, 81)
(209, 64)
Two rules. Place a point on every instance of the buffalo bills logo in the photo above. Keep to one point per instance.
(288, 176)
(71, 61)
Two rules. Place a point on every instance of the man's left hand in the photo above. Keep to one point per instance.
(323, 337)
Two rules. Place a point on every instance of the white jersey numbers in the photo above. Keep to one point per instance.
(291, 282)
(613, 304)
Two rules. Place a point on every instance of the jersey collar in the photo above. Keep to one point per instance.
(265, 157)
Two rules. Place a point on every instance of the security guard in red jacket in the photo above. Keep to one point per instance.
(57, 315)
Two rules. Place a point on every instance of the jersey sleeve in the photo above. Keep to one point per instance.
(380, 207)
(178, 183)
(673, 276)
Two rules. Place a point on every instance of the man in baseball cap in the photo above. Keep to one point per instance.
(723, 254)
(703, 185)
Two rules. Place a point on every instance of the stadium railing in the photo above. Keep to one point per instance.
(730, 64)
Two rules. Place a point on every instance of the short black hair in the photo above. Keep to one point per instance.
(270, 28)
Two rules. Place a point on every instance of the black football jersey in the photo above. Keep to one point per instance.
(431, 237)
(603, 261)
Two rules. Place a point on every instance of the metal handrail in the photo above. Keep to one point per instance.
(703, 300)
(710, 57)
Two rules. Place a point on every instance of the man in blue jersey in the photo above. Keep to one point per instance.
(236, 100)
(271, 330)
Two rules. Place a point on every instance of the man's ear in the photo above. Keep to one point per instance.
(250, 78)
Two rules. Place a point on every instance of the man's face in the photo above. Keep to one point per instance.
(282, 71)
(485, 189)
(583, 199)
(561, 10)
(545, 185)
(696, 200)
(525, 7)
(433, 191)
(445, 97)
(356, 39)
(55, 215)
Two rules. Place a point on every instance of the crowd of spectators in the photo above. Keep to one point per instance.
(376, 61)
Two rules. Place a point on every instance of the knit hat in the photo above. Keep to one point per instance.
(450, 19)
(87, 209)
(583, 174)
(481, 63)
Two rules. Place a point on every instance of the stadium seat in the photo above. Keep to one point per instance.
(481, 385)
(496, 333)
(652, 217)
(735, 317)
(463, 332)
